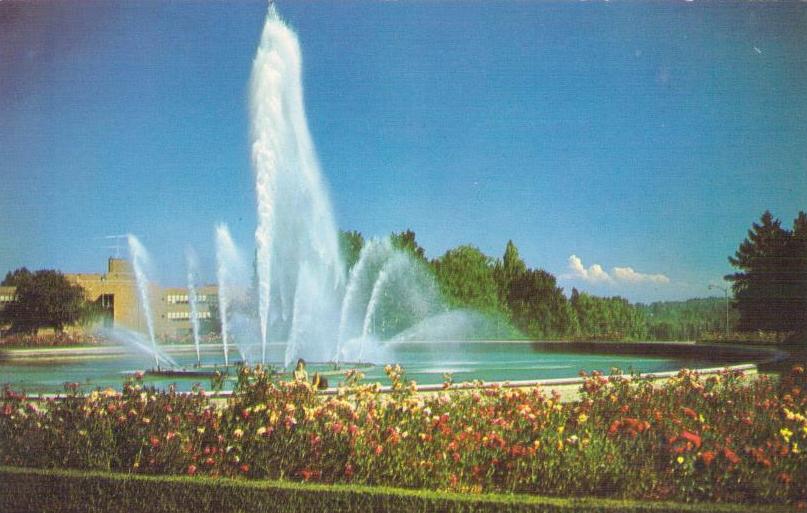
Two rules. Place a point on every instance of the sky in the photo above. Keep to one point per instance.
(624, 147)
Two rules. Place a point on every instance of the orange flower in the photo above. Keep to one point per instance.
(689, 412)
(692, 437)
(731, 456)
(708, 457)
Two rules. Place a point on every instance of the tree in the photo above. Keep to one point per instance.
(796, 273)
(465, 277)
(16, 277)
(509, 269)
(405, 241)
(538, 306)
(350, 244)
(771, 263)
(610, 318)
(686, 320)
(45, 299)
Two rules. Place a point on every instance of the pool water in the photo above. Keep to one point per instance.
(424, 362)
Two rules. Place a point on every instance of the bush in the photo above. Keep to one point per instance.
(720, 439)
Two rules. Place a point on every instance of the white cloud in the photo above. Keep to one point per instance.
(596, 274)
(627, 274)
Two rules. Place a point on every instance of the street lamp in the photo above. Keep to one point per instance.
(726, 294)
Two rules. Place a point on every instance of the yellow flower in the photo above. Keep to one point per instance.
(261, 430)
(786, 434)
(561, 429)
(238, 433)
(795, 448)
(582, 418)
(680, 460)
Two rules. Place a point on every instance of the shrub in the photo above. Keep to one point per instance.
(724, 438)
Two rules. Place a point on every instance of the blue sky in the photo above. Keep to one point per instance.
(630, 135)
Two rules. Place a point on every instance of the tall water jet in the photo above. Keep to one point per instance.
(193, 266)
(232, 276)
(295, 222)
(140, 262)
(300, 318)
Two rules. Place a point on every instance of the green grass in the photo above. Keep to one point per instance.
(26, 490)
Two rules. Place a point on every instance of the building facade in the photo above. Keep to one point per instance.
(117, 295)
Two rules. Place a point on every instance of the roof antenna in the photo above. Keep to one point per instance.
(117, 246)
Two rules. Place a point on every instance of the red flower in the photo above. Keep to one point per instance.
(244, 468)
(692, 437)
(378, 449)
(689, 412)
(191, 470)
(731, 456)
(708, 457)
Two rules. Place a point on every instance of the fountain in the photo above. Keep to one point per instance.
(141, 261)
(193, 266)
(233, 277)
(302, 295)
(296, 237)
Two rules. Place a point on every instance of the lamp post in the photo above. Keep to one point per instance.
(726, 295)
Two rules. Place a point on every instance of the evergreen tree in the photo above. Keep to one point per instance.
(763, 288)
(796, 275)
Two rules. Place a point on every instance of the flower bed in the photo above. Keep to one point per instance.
(64, 339)
(721, 439)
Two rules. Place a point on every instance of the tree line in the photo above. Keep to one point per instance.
(769, 288)
(531, 300)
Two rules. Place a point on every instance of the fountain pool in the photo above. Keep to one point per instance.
(424, 362)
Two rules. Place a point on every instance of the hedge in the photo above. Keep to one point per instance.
(26, 490)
